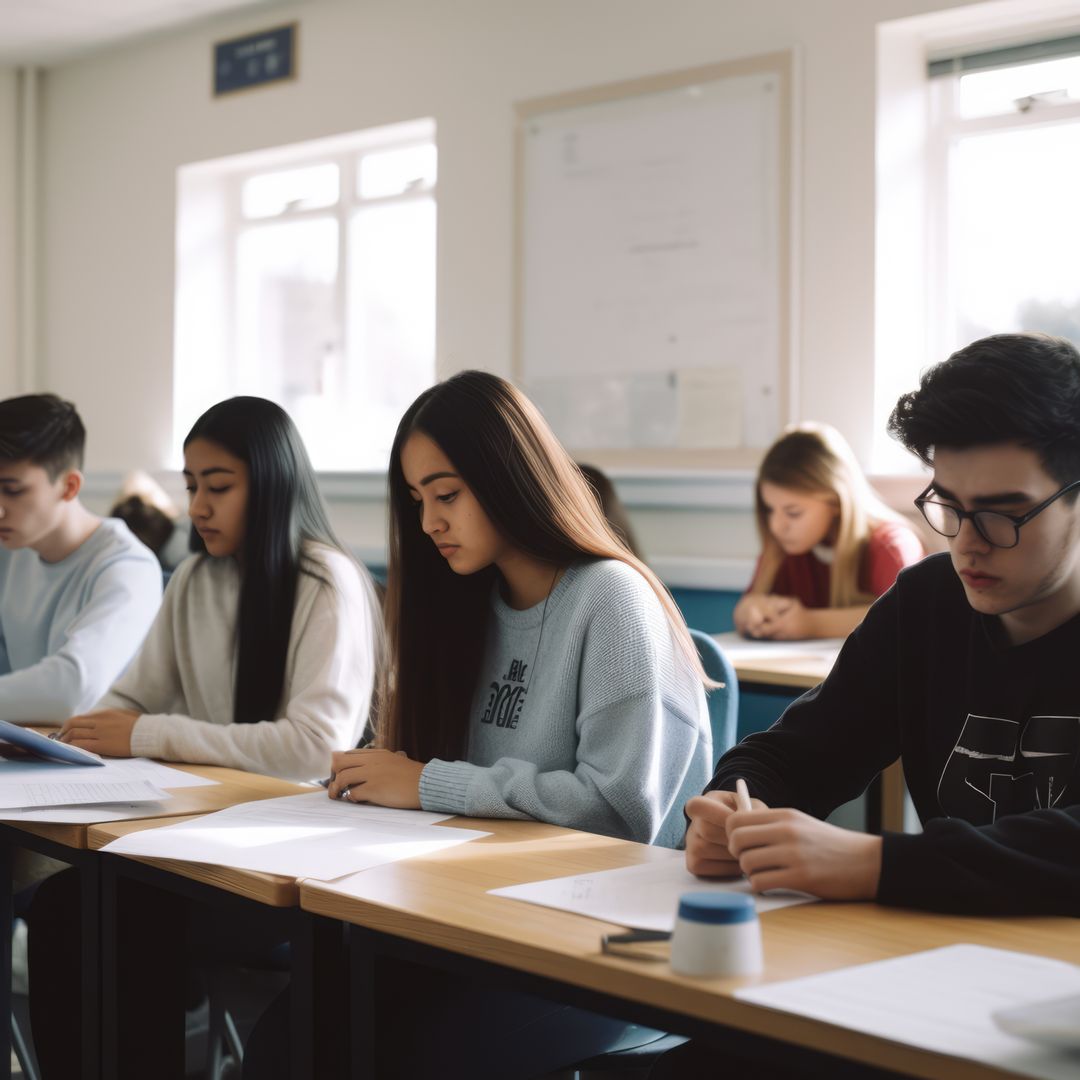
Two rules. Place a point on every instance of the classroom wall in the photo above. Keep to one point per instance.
(117, 124)
(8, 294)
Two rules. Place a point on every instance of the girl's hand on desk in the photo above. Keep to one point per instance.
(756, 616)
(787, 849)
(107, 732)
(381, 777)
(707, 853)
(789, 621)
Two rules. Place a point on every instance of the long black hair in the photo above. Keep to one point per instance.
(284, 508)
(536, 497)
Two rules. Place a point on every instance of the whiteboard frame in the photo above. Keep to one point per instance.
(781, 65)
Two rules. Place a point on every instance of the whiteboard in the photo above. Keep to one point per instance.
(653, 236)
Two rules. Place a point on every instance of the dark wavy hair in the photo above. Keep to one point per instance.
(44, 430)
(536, 497)
(1022, 388)
(284, 508)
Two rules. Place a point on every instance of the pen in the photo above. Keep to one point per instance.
(342, 794)
(742, 795)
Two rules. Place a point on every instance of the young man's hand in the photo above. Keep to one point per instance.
(787, 849)
(381, 777)
(707, 853)
(107, 732)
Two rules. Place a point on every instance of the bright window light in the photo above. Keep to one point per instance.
(307, 275)
(1026, 86)
(273, 193)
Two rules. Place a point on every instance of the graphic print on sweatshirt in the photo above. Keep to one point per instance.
(1000, 767)
(506, 697)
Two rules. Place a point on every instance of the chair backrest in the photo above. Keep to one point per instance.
(723, 701)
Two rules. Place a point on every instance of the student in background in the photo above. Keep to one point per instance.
(263, 658)
(269, 585)
(537, 669)
(144, 506)
(77, 593)
(612, 508)
(829, 545)
(965, 670)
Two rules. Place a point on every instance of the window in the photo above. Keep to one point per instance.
(307, 275)
(1004, 214)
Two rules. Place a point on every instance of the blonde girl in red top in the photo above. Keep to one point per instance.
(830, 546)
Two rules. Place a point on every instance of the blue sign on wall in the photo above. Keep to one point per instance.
(255, 59)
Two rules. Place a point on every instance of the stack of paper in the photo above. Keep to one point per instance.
(300, 836)
(74, 794)
(644, 897)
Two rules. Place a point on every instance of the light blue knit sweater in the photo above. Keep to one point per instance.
(597, 723)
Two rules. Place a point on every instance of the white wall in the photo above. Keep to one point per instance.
(8, 294)
(118, 124)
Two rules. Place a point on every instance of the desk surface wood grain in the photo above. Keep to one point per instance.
(442, 901)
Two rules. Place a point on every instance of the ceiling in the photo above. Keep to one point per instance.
(46, 32)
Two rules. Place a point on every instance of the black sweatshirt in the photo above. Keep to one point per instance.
(989, 735)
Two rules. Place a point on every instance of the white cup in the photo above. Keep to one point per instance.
(716, 934)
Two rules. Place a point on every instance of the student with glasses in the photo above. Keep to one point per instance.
(966, 670)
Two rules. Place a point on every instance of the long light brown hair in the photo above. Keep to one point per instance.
(537, 498)
(815, 459)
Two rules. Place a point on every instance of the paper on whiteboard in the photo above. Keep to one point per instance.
(299, 836)
(940, 1000)
(644, 897)
(85, 793)
(710, 408)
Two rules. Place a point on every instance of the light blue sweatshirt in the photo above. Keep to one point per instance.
(68, 629)
(585, 715)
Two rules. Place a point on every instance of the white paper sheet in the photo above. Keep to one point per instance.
(644, 897)
(301, 836)
(87, 815)
(940, 1000)
(739, 648)
(24, 795)
(115, 770)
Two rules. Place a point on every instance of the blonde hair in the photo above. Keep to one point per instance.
(815, 459)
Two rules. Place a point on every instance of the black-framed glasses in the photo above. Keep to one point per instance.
(997, 529)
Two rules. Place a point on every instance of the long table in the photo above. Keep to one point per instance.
(70, 843)
(436, 911)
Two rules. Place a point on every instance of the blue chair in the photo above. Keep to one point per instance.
(724, 701)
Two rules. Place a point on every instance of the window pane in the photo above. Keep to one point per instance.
(294, 189)
(391, 313)
(1015, 232)
(990, 93)
(393, 172)
(288, 339)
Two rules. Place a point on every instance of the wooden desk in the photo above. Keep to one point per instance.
(783, 665)
(70, 843)
(140, 895)
(436, 909)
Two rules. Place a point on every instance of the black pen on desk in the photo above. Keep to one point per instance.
(342, 794)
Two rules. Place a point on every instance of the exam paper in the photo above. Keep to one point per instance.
(115, 770)
(737, 648)
(300, 836)
(25, 795)
(644, 897)
(939, 1000)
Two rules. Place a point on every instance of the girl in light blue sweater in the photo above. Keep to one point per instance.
(538, 670)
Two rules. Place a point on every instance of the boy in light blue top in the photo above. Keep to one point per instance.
(77, 593)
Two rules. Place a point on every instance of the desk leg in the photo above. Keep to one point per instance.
(319, 997)
(362, 1038)
(7, 915)
(143, 961)
(90, 916)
